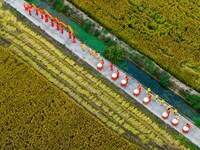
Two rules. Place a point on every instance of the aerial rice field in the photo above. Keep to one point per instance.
(36, 114)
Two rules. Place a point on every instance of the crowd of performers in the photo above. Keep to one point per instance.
(43, 14)
(148, 99)
(61, 26)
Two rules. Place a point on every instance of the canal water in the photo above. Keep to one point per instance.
(129, 67)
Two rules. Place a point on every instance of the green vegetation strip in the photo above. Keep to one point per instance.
(87, 90)
(167, 32)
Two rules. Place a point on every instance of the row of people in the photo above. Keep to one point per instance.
(91, 51)
(101, 65)
(58, 26)
(148, 99)
(95, 54)
(117, 74)
(111, 66)
(175, 121)
(71, 36)
(61, 28)
(138, 90)
(124, 82)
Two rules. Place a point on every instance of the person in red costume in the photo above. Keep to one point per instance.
(127, 79)
(62, 30)
(36, 12)
(41, 15)
(188, 125)
(57, 26)
(102, 62)
(118, 74)
(52, 23)
(111, 66)
(74, 39)
(46, 18)
(139, 88)
(25, 6)
(29, 10)
(168, 112)
(70, 35)
(149, 97)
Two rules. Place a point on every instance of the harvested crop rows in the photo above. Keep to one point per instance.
(36, 115)
(90, 92)
(166, 31)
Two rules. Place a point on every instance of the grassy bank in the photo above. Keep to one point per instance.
(169, 39)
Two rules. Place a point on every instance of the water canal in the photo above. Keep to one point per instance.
(129, 67)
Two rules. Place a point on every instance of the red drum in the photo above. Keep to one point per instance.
(165, 115)
(99, 66)
(114, 76)
(174, 122)
(185, 129)
(123, 82)
(136, 92)
(145, 100)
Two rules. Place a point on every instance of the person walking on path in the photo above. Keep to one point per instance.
(168, 112)
(25, 6)
(156, 97)
(127, 79)
(139, 88)
(148, 90)
(90, 51)
(175, 112)
(29, 11)
(111, 66)
(149, 97)
(93, 53)
(62, 30)
(177, 117)
(74, 39)
(46, 18)
(83, 46)
(36, 12)
(188, 125)
(57, 26)
(98, 55)
(41, 15)
(169, 107)
(162, 102)
(70, 35)
(102, 62)
(118, 74)
(52, 23)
